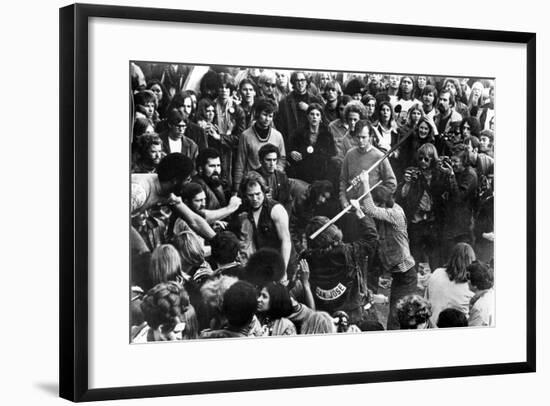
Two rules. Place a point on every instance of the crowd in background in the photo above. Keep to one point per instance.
(275, 202)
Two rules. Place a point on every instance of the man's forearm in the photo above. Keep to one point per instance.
(196, 222)
(285, 251)
(218, 214)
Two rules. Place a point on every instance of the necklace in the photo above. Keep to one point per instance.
(265, 137)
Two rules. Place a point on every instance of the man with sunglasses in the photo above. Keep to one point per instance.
(268, 85)
(174, 139)
(415, 195)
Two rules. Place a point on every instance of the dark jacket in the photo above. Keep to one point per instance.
(265, 233)
(410, 203)
(316, 159)
(290, 117)
(188, 146)
(407, 152)
(454, 200)
(338, 274)
(279, 187)
(215, 197)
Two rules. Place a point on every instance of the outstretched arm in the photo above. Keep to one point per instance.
(214, 215)
(196, 222)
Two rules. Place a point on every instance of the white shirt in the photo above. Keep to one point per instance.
(443, 293)
(175, 146)
(482, 312)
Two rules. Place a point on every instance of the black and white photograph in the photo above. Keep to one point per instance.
(275, 203)
(299, 201)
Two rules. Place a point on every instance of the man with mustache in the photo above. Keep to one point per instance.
(448, 117)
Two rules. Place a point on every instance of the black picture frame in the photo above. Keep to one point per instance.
(74, 203)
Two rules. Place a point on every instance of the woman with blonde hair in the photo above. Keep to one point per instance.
(191, 252)
(212, 292)
(283, 83)
(319, 323)
(475, 100)
(165, 265)
(448, 286)
(195, 270)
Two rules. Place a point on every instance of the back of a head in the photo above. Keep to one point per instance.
(383, 195)
(165, 264)
(175, 166)
(413, 310)
(225, 247)
(370, 325)
(164, 304)
(213, 290)
(462, 255)
(451, 318)
(354, 86)
(318, 323)
(189, 247)
(264, 266)
(481, 276)
(240, 303)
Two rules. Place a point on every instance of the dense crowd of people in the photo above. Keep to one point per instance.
(274, 202)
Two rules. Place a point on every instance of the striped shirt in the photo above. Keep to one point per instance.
(396, 219)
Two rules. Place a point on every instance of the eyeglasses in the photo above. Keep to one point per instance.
(301, 80)
(424, 159)
(271, 85)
